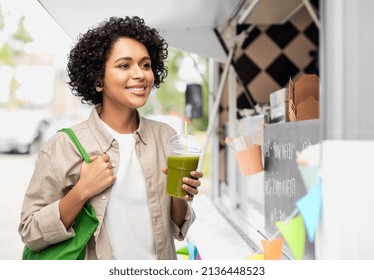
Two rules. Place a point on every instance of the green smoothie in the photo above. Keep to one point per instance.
(179, 167)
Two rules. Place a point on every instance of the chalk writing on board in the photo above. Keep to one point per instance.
(285, 187)
(277, 215)
(283, 184)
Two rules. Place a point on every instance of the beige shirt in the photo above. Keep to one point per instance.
(57, 171)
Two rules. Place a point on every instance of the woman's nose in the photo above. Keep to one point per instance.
(137, 72)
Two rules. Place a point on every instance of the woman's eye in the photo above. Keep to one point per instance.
(124, 66)
(146, 65)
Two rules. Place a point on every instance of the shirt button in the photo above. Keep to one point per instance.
(113, 165)
(103, 197)
(95, 233)
(105, 147)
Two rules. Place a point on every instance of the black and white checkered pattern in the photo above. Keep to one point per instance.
(271, 55)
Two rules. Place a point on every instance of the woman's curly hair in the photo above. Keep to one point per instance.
(86, 61)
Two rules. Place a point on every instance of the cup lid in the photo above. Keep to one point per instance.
(181, 143)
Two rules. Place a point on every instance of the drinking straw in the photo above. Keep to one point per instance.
(185, 128)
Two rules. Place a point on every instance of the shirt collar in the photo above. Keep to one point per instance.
(141, 131)
(103, 137)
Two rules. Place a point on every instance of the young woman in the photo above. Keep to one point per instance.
(114, 67)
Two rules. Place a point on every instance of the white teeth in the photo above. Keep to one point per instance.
(137, 89)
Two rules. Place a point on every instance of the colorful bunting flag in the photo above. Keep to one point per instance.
(309, 174)
(182, 251)
(189, 252)
(272, 249)
(256, 257)
(310, 207)
(192, 251)
(294, 234)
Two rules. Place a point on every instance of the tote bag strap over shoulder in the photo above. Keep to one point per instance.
(84, 226)
(78, 144)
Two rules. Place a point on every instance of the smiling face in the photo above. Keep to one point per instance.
(128, 77)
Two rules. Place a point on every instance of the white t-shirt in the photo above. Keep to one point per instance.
(127, 217)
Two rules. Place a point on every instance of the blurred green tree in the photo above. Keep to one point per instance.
(11, 48)
(170, 99)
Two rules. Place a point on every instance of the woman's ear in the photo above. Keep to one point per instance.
(99, 86)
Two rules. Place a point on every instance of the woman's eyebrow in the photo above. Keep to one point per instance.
(129, 58)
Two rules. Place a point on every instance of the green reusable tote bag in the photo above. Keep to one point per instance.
(84, 226)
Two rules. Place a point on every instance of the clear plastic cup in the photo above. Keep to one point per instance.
(183, 157)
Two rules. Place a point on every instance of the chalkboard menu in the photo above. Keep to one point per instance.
(283, 184)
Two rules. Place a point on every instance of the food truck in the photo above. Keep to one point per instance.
(291, 127)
